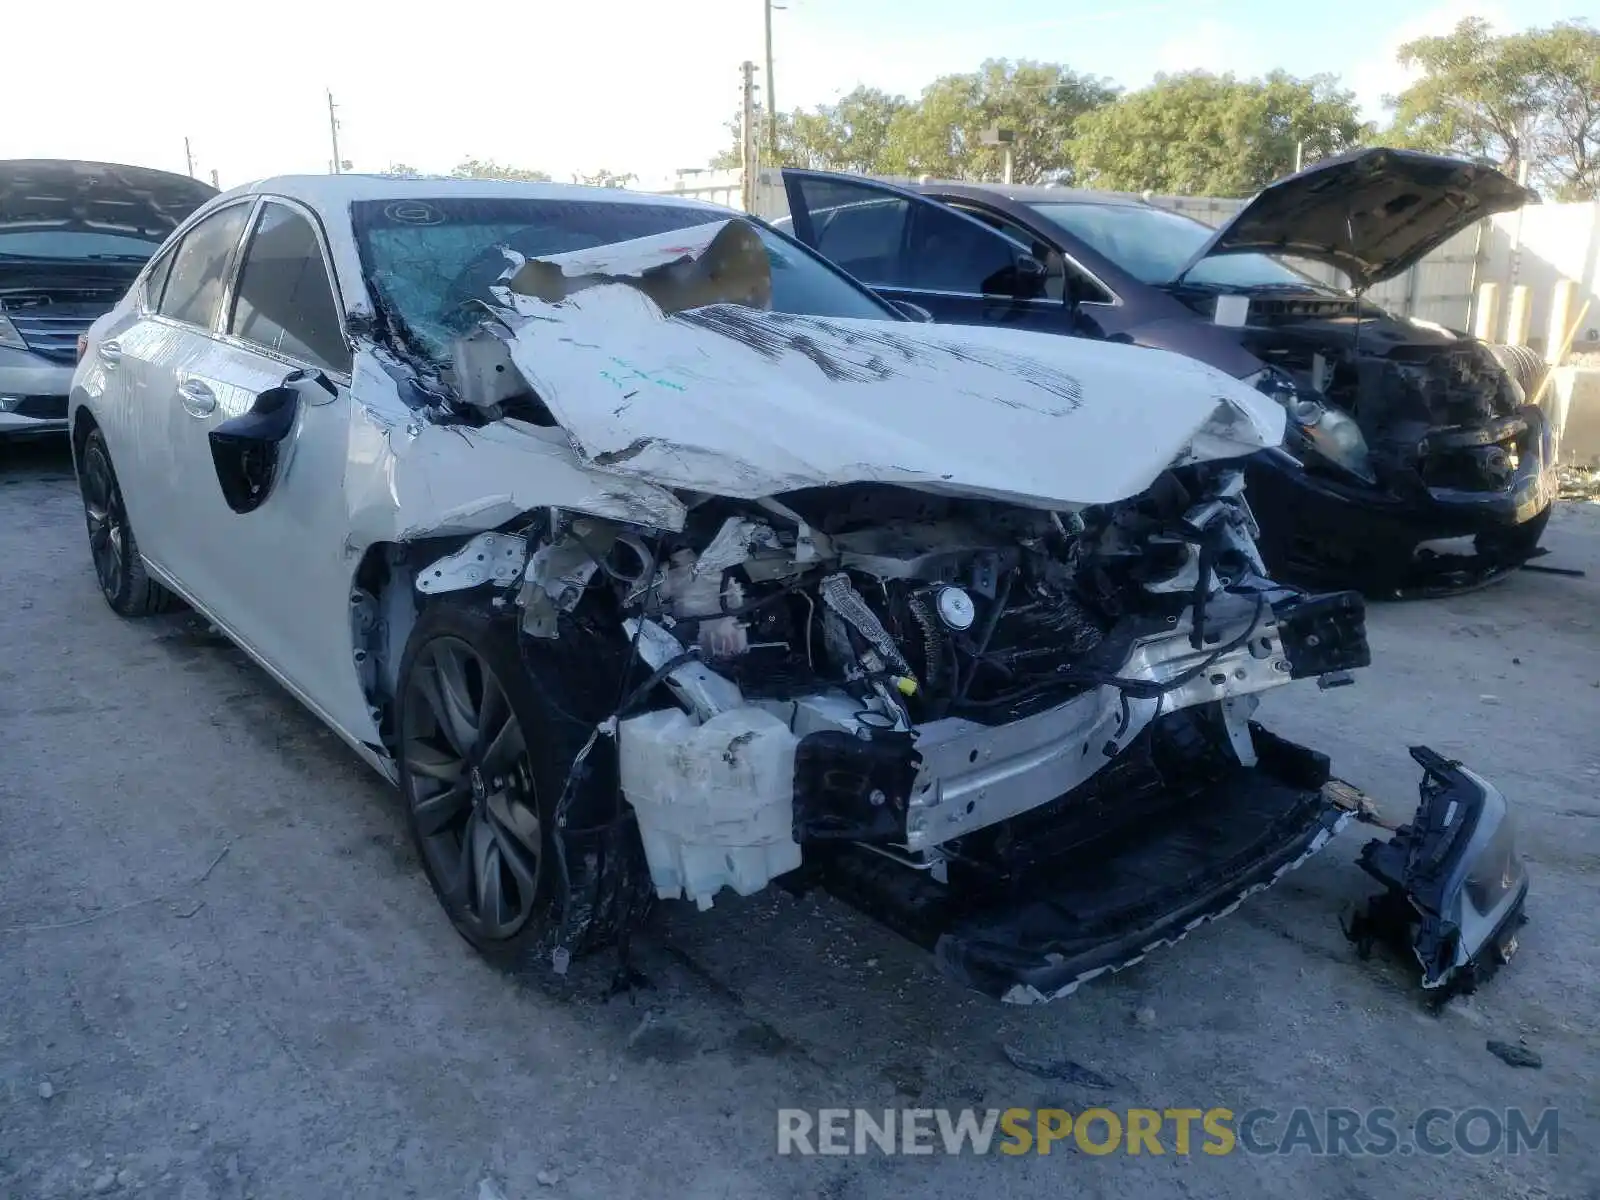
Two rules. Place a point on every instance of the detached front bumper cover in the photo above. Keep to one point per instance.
(1455, 883)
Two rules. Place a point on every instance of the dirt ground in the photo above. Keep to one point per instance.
(222, 973)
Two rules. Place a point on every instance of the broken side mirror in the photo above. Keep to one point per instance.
(914, 311)
(247, 450)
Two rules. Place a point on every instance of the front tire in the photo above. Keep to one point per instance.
(126, 584)
(484, 757)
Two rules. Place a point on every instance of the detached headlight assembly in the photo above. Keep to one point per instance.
(1313, 427)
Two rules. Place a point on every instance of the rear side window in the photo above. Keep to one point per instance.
(284, 300)
(200, 267)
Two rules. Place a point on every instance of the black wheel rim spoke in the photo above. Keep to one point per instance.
(102, 507)
(439, 812)
(469, 788)
(451, 698)
(501, 745)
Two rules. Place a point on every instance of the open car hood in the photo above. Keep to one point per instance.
(1369, 213)
(99, 197)
(730, 399)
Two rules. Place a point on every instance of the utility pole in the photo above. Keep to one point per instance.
(772, 102)
(188, 157)
(333, 131)
(747, 129)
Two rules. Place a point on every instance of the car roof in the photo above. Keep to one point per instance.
(331, 195)
(1035, 194)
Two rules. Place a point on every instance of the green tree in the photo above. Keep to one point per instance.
(1214, 135)
(847, 136)
(1526, 99)
(487, 168)
(872, 132)
(1040, 103)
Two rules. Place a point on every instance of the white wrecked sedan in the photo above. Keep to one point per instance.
(650, 556)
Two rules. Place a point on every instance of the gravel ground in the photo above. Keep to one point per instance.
(222, 973)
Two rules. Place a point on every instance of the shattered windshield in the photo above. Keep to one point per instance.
(428, 259)
(1153, 244)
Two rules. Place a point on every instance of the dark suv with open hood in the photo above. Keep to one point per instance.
(73, 236)
(1403, 436)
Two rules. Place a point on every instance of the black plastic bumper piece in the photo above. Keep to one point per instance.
(1455, 885)
(1037, 935)
(1323, 533)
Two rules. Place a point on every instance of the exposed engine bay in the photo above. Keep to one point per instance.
(1399, 380)
(926, 702)
(1413, 462)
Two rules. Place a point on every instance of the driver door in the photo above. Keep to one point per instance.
(908, 247)
(266, 525)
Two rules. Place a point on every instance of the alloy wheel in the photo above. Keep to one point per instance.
(108, 523)
(470, 788)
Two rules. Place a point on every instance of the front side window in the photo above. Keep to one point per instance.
(428, 260)
(284, 300)
(951, 253)
(200, 267)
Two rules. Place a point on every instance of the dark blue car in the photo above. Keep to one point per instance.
(1413, 462)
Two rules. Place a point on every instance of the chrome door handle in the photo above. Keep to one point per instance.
(110, 352)
(198, 399)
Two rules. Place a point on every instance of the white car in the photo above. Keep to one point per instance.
(650, 555)
(73, 235)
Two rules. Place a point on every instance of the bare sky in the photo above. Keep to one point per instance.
(629, 85)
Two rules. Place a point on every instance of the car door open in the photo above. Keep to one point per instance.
(910, 248)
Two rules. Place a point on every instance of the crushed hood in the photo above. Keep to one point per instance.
(98, 197)
(734, 400)
(1369, 213)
